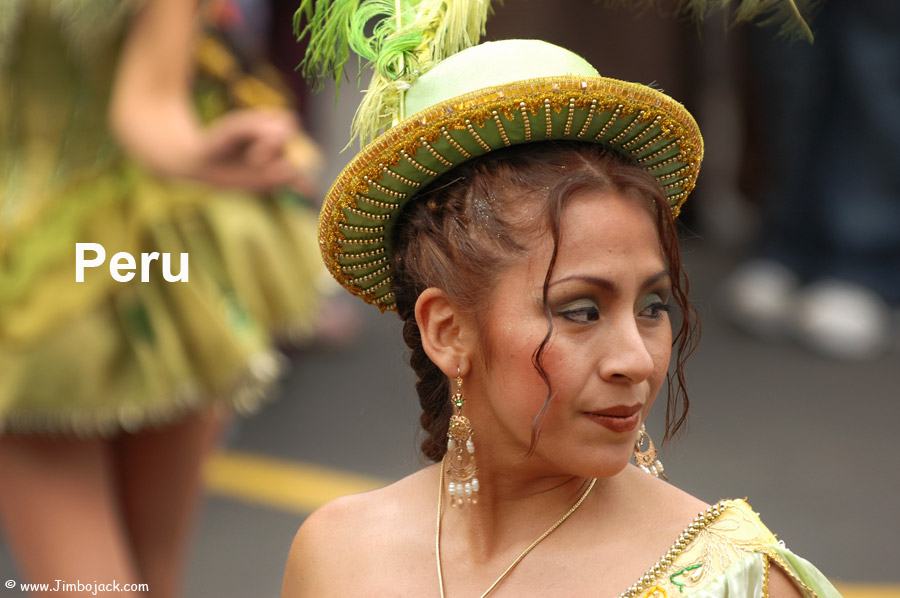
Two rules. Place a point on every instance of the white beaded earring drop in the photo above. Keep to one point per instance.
(461, 469)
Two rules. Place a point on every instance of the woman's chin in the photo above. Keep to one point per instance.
(597, 464)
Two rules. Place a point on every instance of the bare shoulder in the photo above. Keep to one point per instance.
(337, 547)
(311, 558)
(672, 505)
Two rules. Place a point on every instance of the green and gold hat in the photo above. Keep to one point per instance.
(487, 97)
(491, 96)
(436, 100)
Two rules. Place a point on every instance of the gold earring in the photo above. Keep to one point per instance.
(461, 469)
(648, 459)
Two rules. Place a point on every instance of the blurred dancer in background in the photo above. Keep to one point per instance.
(828, 269)
(109, 391)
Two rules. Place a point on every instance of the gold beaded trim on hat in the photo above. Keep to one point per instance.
(634, 120)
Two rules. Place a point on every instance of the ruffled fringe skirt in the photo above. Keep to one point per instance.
(101, 356)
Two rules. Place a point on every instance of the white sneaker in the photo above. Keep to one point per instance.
(843, 320)
(758, 297)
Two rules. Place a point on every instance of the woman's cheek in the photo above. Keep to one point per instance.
(509, 362)
(662, 358)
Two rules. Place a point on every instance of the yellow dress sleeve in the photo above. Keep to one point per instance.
(726, 552)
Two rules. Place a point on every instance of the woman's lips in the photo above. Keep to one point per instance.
(618, 419)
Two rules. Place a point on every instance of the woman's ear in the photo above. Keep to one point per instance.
(446, 332)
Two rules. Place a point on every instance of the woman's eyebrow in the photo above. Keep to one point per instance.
(607, 284)
(656, 278)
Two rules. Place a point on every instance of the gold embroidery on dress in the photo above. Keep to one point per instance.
(774, 556)
(723, 535)
(724, 542)
(689, 576)
(655, 592)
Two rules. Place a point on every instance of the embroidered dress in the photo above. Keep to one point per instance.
(100, 356)
(727, 552)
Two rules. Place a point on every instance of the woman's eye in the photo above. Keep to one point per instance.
(654, 307)
(581, 312)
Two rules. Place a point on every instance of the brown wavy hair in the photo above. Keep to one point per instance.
(470, 224)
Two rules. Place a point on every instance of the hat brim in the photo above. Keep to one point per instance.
(636, 121)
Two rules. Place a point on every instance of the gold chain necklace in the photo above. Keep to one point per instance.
(437, 538)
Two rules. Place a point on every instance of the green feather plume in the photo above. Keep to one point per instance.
(401, 39)
(328, 29)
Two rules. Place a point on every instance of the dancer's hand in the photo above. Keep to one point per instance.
(153, 117)
(251, 149)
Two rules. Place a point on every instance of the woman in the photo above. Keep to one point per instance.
(112, 393)
(521, 222)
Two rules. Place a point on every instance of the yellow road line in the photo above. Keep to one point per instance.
(289, 485)
(862, 590)
(302, 488)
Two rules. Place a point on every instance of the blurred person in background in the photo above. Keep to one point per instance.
(112, 393)
(828, 267)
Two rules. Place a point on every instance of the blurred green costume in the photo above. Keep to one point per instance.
(103, 356)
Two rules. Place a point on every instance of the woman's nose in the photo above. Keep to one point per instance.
(627, 358)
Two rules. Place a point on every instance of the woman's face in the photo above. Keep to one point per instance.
(610, 348)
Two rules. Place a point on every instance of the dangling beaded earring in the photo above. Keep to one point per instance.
(461, 469)
(648, 460)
